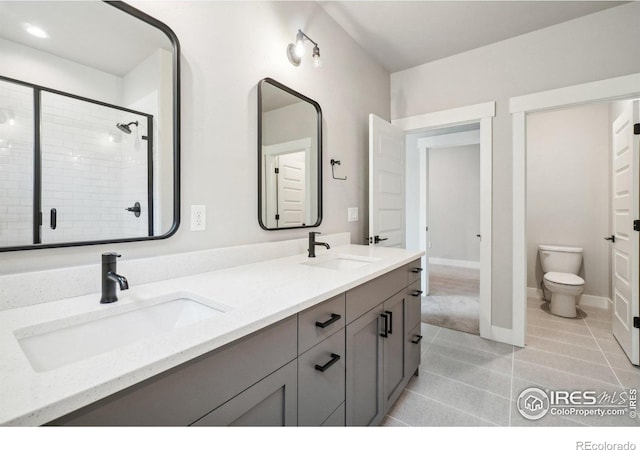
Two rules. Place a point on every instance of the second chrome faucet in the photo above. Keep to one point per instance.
(313, 243)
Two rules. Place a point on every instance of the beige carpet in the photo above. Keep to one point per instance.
(454, 298)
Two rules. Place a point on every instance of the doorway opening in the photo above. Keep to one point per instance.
(618, 191)
(452, 209)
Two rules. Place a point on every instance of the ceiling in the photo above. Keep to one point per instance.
(404, 34)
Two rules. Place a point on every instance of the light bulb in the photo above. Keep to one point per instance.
(299, 44)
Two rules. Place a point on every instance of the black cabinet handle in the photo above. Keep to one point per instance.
(334, 318)
(417, 293)
(385, 333)
(53, 219)
(417, 269)
(390, 321)
(334, 359)
(417, 339)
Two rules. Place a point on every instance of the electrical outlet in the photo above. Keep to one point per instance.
(198, 217)
(352, 214)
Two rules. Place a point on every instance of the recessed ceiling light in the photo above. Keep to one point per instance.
(36, 31)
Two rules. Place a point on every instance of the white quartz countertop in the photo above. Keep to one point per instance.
(254, 295)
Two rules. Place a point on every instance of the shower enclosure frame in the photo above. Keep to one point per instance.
(37, 152)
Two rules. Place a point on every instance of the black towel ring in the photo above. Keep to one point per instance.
(335, 162)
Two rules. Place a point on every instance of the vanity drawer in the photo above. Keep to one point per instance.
(414, 306)
(320, 322)
(414, 271)
(321, 380)
(182, 395)
(362, 298)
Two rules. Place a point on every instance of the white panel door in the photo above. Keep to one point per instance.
(291, 189)
(386, 184)
(625, 245)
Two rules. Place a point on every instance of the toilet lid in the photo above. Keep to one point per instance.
(564, 278)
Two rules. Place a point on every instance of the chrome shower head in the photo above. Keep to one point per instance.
(126, 128)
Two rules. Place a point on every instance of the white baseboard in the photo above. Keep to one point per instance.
(586, 300)
(455, 263)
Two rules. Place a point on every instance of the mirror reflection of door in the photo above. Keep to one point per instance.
(287, 190)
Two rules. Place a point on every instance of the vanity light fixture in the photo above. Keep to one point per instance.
(36, 31)
(295, 51)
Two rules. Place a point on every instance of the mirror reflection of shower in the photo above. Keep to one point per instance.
(126, 128)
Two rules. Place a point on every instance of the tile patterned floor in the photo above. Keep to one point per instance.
(469, 381)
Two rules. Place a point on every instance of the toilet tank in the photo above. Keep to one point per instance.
(555, 258)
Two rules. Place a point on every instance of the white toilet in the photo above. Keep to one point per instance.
(561, 266)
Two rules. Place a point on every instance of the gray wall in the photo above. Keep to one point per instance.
(454, 202)
(568, 190)
(590, 48)
(227, 48)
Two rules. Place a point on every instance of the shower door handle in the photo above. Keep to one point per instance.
(53, 218)
(611, 238)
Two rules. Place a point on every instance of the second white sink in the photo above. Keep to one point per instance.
(85, 338)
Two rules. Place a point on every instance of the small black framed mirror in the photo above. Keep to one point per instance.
(289, 158)
(91, 132)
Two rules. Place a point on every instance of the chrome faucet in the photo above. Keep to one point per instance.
(313, 243)
(110, 278)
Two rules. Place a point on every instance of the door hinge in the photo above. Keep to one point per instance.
(277, 216)
(636, 225)
(277, 170)
(636, 128)
(636, 322)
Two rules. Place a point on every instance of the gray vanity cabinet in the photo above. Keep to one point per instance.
(380, 355)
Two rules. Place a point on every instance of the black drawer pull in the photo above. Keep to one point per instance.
(417, 293)
(334, 359)
(390, 321)
(334, 318)
(417, 339)
(417, 269)
(53, 218)
(385, 333)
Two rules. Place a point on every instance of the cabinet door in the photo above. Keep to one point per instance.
(364, 400)
(412, 350)
(393, 345)
(270, 402)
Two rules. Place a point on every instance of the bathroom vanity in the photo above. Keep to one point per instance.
(330, 340)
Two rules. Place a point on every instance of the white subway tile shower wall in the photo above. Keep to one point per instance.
(16, 164)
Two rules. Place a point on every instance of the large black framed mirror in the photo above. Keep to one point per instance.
(89, 125)
(289, 158)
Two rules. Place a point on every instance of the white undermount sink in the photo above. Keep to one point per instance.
(342, 262)
(87, 337)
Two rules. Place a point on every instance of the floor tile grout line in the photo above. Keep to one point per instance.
(452, 407)
(570, 357)
(401, 421)
(555, 329)
(558, 370)
(596, 350)
(605, 356)
(465, 384)
(458, 345)
(435, 335)
(472, 364)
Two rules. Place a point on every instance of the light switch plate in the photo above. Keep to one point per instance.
(198, 217)
(352, 214)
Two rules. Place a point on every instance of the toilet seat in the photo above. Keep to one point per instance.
(568, 279)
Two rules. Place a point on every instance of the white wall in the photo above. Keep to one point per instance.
(227, 47)
(454, 203)
(594, 47)
(568, 190)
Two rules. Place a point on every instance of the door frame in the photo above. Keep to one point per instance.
(484, 114)
(619, 88)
